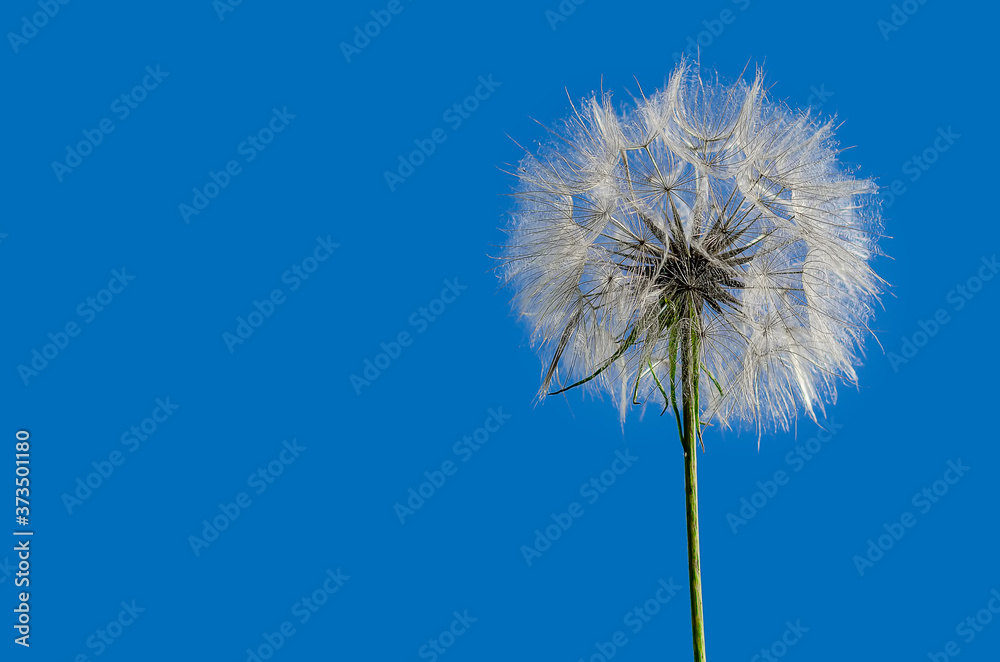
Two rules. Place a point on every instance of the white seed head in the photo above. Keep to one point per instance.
(706, 207)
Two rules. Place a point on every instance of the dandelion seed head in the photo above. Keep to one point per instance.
(703, 207)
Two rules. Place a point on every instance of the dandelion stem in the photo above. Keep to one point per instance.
(689, 370)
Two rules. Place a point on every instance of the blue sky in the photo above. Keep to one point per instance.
(278, 407)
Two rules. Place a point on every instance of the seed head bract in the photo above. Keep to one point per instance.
(705, 209)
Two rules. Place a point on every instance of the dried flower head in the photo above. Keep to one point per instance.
(705, 216)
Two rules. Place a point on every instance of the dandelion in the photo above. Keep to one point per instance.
(702, 250)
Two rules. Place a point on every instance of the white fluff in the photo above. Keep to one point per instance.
(596, 255)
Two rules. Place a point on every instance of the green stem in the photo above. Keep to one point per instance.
(689, 384)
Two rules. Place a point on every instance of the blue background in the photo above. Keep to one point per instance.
(366, 445)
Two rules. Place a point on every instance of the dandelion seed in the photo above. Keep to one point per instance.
(703, 250)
